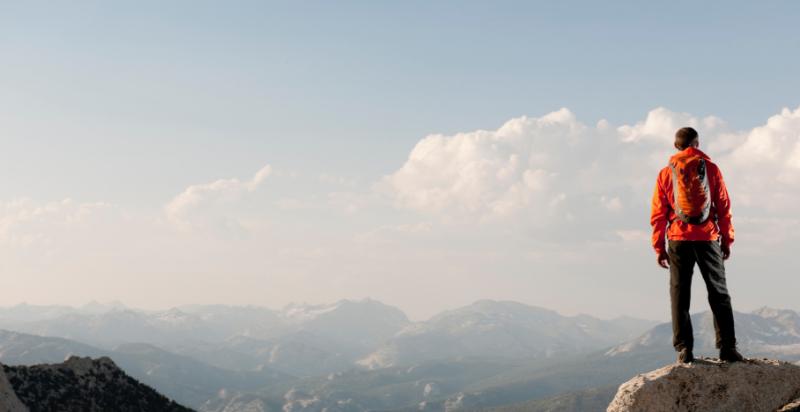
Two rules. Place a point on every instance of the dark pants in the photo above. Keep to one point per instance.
(683, 255)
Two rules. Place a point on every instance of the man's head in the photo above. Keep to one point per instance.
(685, 138)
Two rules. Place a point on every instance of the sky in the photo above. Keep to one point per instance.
(426, 154)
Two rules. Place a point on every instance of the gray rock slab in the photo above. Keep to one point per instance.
(710, 385)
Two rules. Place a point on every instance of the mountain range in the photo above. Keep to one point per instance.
(364, 355)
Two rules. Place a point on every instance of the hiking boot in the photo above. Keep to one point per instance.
(730, 355)
(685, 356)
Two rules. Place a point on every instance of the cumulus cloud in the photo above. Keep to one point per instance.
(198, 202)
(555, 172)
(485, 171)
(536, 170)
(481, 208)
(765, 167)
(661, 123)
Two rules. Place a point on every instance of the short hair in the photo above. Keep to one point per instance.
(684, 137)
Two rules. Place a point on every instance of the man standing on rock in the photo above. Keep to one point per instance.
(691, 209)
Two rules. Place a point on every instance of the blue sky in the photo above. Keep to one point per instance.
(350, 87)
(132, 103)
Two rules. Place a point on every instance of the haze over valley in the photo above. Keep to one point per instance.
(365, 355)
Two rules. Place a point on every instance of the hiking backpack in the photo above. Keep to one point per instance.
(690, 187)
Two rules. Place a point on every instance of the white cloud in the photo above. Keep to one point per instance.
(762, 170)
(554, 172)
(492, 211)
(551, 172)
(481, 172)
(661, 124)
(638, 236)
(613, 204)
(24, 222)
(194, 202)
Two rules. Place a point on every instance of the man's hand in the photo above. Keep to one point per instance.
(663, 260)
(726, 251)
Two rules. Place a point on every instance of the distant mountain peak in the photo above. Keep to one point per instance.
(173, 316)
(764, 332)
(488, 309)
(770, 312)
(304, 312)
(99, 307)
(301, 312)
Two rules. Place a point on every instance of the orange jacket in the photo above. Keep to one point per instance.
(666, 224)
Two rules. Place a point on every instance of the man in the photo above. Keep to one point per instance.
(691, 209)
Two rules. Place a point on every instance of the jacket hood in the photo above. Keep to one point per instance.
(691, 151)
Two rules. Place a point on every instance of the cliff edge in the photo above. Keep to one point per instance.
(710, 385)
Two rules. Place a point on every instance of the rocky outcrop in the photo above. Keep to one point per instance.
(78, 384)
(710, 385)
(8, 399)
